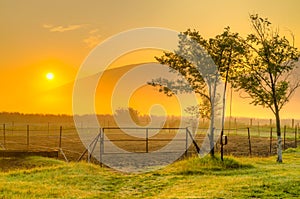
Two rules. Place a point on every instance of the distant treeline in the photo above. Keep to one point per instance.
(106, 120)
(8, 117)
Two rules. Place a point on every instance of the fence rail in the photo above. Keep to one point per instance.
(255, 141)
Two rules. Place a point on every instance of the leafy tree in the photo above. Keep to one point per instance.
(223, 50)
(127, 115)
(265, 73)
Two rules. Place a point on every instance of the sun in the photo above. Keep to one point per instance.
(50, 76)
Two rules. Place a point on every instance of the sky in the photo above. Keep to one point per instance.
(38, 37)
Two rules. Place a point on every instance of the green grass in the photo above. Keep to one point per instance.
(191, 178)
(11, 163)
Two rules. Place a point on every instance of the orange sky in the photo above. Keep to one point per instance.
(38, 37)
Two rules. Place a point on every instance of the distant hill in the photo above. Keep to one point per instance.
(146, 96)
(142, 100)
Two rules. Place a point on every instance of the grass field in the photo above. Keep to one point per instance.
(36, 177)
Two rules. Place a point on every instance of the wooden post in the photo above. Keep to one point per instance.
(48, 128)
(60, 135)
(284, 135)
(270, 122)
(235, 124)
(4, 136)
(186, 142)
(249, 141)
(295, 137)
(101, 145)
(59, 144)
(27, 136)
(12, 127)
(147, 149)
(258, 129)
(221, 142)
(271, 138)
(293, 123)
(298, 125)
(194, 141)
(229, 125)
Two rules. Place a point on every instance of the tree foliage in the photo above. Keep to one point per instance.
(224, 50)
(266, 71)
(262, 65)
(126, 115)
(195, 59)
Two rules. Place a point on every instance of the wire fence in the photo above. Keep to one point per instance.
(260, 140)
(243, 141)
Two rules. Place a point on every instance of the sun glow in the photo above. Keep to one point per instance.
(50, 76)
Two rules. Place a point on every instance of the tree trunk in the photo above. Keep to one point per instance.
(213, 93)
(276, 112)
(211, 129)
(279, 141)
(211, 138)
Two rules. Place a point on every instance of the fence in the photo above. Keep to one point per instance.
(255, 141)
(112, 144)
(259, 141)
(41, 138)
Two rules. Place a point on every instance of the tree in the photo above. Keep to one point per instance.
(127, 115)
(223, 50)
(266, 72)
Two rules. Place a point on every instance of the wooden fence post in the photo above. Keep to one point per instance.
(186, 142)
(284, 135)
(60, 135)
(249, 141)
(48, 129)
(258, 129)
(12, 127)
(27, 136)
(4, 136)
(222, 147)
(235, 125)
(271, 138)
(229, 125)
(59, 144)
(298, 126)
(194, 141)
(147, 139)
(101, 145)
(296, 136)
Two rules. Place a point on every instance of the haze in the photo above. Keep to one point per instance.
(41, 37)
